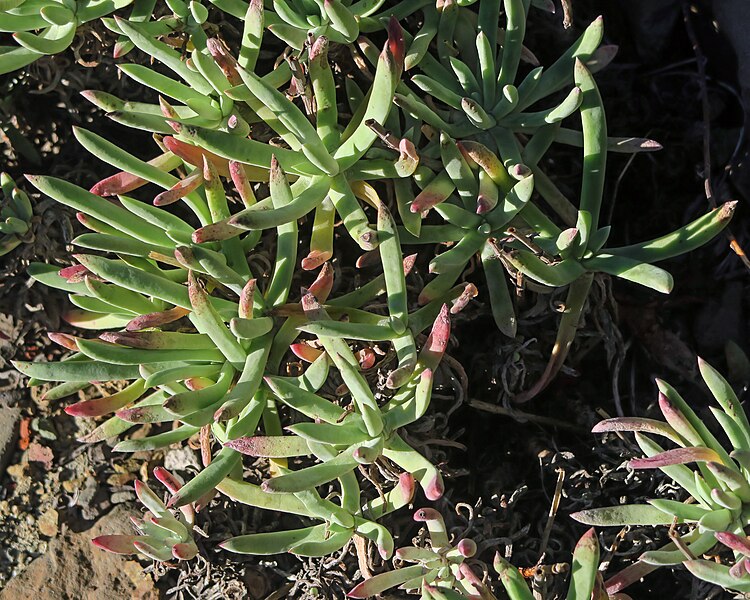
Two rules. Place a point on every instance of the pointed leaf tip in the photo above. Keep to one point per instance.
(117, 544)
(396, 41)
(678, 456)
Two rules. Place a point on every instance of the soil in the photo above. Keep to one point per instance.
(501, 469)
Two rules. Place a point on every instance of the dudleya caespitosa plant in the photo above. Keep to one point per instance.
(16, 213)
(489, 143)
(190, 304)
(715, 476)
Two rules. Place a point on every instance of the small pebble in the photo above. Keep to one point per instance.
(120, 497)
(16, 471)
(47, 523)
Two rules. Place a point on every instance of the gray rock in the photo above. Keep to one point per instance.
(179, 459)
(9, 420)
(74, 569)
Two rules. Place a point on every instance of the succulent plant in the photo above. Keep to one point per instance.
(161, 535)
(441, 573)
(438, 572)
(215, 377)
(58, 21)
(16, 213)
(342, 440)
(585, 579)
(338, 20)
(194, 334)
(718, 485)
(490, 148)
(338, 522)
(207, 375)
(222, 99)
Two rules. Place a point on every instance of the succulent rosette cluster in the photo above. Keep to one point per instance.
(264, 175)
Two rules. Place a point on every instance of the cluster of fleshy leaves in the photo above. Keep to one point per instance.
(439, 571)
(16, 213)
(340, 21)
(56, 22)
(194, 314)
(585, 579)
(161, 535)
(487, 145)
(718, 486)
(189, 327)
(473, 153)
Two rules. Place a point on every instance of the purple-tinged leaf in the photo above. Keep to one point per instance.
(65, 340)
(395, 46)
(437, 191)
(477, 153)
(107, 404)
(406, 487)
(738, 569)
(195, 155)
(409, 262)
(173, 484)
(157, 340)
(122, 183)
(75, 273)
(119, 183)
(241, 183)
(678, 421)
(466, 573)
(168, 111)
(184, 550)
(632, 424)
(270, 446)
(584, 566)
(142, 414)
(226, 62)
(221, 230)
(601, 57)
(305, 352)
(434, 489)
(156, 319)
(467, 547)
(321, 287)
(628, 576)
(408, 158)
(437, 342)
(167, 479)
(678, 456)
(315, 258)
(435, 525)
(246, 300)
(470, 291)
(117, 544)
(180, 189)
(736, 542)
